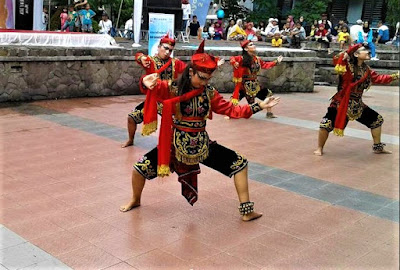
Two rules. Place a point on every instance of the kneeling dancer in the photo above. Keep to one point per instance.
(183, 141)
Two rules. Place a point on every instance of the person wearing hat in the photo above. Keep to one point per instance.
(167, 67)
(272, 28)
(355, 30)
(245, 70)
(355, 77)
(183, 142)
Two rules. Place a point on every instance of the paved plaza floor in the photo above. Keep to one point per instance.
(64, 175)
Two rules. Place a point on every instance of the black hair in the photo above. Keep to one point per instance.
(247, 59)
(184, 83)
(194, 16)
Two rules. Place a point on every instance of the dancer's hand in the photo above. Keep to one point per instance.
(346, 56)
(220, 62)
(236, 65)
(145, 61)
(269, 102)
(150, 80)
(279, 59)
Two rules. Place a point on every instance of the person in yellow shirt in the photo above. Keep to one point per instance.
(344, 37)
(277, 40)
(237, 32)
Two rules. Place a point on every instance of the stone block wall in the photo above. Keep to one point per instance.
(38, 73)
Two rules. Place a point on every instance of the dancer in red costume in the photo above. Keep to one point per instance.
(245, 70)
(183, 141)
(355, 77)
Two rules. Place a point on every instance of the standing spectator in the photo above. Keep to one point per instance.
(71, 21)
(365, 37)
(272, 28)
(86, 19)
(219, 31)
(45, 19)
(344, 37)
(296, 36)
(105, 24)
(63, 17)
(194, 27)
(187, 11)
(355, 29)
(211, 31)
(277, 40)
(128, 33)
(383, 33)
(229, 28)
(237, 32)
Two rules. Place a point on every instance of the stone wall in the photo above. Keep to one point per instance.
(42, 73)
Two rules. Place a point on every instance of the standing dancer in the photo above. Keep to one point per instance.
(183, 141)
(355, 76)
(168, 69)
(246, 68)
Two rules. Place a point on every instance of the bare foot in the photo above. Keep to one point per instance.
(129, 206)
(128, 143)
(318, 152)
(384, 151)
(227, 117)
(251, 216)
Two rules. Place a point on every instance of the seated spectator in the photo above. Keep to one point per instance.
(344, 37)
(237, 32)
(285, 31)
(312, 33)
(105, 24)
(251, 31)
(229, 28)
(321, 36)
(277, 40)
(302, 22)
(258, 35)
(296, 36)
(365, 37)
(261, 26)
(219, 31)
(194, 27)
(355, 30)
(324, 20)
(272, 28)
(290, 20)
(383, 33)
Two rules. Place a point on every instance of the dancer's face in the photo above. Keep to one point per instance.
(198, 78)
(362, 54)
(165, 50)
(251, 48)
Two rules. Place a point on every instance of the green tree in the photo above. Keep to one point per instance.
(233, 10)
(393, 11)
(113, 5)
(263, 10)
(310, 9)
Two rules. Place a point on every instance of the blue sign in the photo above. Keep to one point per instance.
(200, 9)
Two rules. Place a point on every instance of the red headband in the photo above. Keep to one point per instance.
(168, 40)
(245, 43)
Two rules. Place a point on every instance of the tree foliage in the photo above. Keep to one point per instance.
(310, 9)
(233, 10)
(126, 11)
(263, 10)
(393, 11)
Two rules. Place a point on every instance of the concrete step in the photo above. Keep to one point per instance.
(382, 54)
(312, 45)
(328, 74)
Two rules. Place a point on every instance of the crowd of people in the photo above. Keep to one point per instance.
(294, 32)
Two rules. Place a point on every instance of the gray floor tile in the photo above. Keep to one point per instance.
(22, 255)
(9, 238)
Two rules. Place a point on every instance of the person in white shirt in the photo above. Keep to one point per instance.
(211, 31)
(187, 11)
(45, 19)
(128, 33)
(355, 29)
(105, 24)
(272, 28)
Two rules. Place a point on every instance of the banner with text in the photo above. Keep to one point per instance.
(200, 9)
(159, 25)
